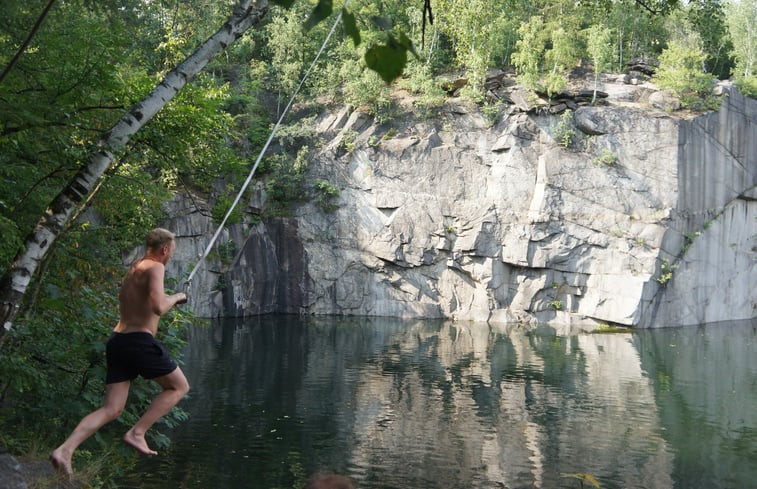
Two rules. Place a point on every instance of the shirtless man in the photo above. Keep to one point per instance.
(132, 350)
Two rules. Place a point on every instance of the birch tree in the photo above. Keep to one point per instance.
(85, 184)
(599, 47)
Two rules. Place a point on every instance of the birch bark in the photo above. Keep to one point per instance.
(77, 193)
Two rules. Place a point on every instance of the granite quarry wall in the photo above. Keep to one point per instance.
(645, 218)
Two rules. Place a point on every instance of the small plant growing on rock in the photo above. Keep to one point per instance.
(491, 113)
(688, 240)
(347, 144)
(666, 272)
(606, 158)
(564, 133)
(325, 195)
(226, 252)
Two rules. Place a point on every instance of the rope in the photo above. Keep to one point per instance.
(201, 261)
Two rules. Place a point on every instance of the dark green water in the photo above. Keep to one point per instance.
(431, 404)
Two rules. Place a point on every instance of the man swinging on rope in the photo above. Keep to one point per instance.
(132, 350)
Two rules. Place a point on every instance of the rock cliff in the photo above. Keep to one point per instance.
(614, 213)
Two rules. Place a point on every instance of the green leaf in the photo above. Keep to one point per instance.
(350, 26)
(388, 60)
(406, 43)
(319, 13)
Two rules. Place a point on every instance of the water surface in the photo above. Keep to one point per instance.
(435, 404)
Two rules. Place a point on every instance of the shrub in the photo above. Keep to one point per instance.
(606, 158)
(747, 86)
(222, 206)
(564, 133)
(681, 72)
(325, 195)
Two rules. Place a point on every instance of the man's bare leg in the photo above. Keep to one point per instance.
(115, 400)
(175, 387)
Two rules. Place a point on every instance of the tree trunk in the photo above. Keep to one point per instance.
(76, 194)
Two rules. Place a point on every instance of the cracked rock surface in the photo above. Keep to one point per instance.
(619, 213)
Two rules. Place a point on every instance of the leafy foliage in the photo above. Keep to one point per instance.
(741, 19)
(564, 132)
(708, 19)
(599, 48)
(480, 32)
(285, 180)
(681, 66)
(326, 193)
(80, 73)
(529, 52)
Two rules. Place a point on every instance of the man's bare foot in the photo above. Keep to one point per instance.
(138, 442)
(61, 462)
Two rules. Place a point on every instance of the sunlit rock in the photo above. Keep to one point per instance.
(627, 215)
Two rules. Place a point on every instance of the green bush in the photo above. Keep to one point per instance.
(326, 193)
(223, 204)
(606, 158)
(285, 179)
(367, 91)
(680, 69)
(563, 131)
(421, 82)
(747, 86)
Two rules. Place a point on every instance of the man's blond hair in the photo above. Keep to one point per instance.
(158, 238)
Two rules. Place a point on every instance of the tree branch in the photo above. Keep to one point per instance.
(34, 186)
(25, 44)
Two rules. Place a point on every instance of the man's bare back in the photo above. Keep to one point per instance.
(142, 299)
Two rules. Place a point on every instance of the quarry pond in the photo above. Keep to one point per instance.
(438, 404)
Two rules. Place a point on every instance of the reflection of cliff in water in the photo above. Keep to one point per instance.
(430, 404)
(482, 408)
(707, 377)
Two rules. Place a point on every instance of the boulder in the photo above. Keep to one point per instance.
(665, 100)
(10, 473)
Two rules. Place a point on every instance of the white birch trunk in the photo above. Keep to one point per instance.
(74, 196)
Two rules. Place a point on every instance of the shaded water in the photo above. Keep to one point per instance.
(433, 404)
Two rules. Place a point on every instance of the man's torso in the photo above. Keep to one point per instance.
(135, 307)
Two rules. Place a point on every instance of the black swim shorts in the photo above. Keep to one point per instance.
(132, 354)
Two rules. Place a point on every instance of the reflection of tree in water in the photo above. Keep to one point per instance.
(242, 377)
(429, 404)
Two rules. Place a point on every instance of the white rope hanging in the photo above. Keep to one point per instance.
(201, 261)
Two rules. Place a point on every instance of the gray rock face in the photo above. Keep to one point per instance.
(10, 473)
(646, 219)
